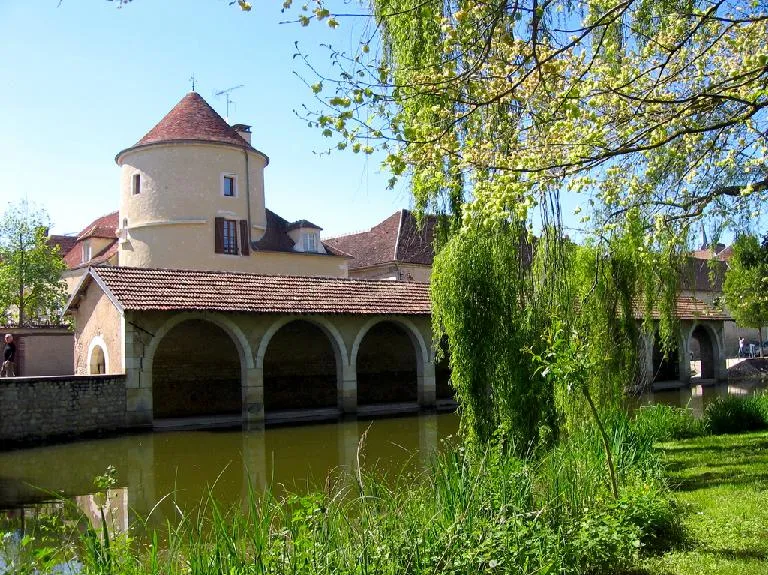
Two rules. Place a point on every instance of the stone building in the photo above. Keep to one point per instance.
(212, 305)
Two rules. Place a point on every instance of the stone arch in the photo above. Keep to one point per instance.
(423, 353)
(98, 358)
(704, 344)
(302, 360)
(390, 367)
(330, 330)
(205, 373)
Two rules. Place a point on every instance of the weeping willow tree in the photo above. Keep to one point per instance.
(649, 114)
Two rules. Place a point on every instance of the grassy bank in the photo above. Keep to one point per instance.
(721, 482)
(486, 513)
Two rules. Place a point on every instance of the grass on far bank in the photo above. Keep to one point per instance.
(722, 484)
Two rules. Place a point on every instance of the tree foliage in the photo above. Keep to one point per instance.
(656, 104)
(746, 282)
(31, 289)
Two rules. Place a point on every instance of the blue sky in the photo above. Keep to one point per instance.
(82, 80)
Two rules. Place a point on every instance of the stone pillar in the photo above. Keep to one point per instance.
(347, 389)
(138, 381)
(684, 355)
(253, 398)
(721, 367)
(426, 385)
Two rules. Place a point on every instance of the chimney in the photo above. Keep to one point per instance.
(244, 131)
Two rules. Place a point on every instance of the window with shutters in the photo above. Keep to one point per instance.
(230, 237)
(226, 240)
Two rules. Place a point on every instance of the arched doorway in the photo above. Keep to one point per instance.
(702, 347)
(386, 366)
(300, 369)
(665, 367)
(196, 371)
(98, 362)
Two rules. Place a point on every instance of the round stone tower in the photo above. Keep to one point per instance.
(191, 192)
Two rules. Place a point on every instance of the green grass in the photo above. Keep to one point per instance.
(722, 484)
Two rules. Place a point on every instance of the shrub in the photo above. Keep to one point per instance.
(737, 413)
(666, 423)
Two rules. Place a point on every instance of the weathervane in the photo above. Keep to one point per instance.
(192, 79)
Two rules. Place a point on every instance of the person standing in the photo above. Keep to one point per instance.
(9, 358)
(741, 347)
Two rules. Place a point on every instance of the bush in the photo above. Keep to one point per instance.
(737, 413)
(666, 423)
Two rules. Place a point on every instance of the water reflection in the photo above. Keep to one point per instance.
(162, 473)
(696, 396)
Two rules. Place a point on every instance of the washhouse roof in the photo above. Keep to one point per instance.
(142, 289)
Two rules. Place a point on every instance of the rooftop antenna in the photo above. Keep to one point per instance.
(226, 95)
(192, 79)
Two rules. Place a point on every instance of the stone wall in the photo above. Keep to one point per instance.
(38, 408)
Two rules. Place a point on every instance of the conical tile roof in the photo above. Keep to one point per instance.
(192, 119)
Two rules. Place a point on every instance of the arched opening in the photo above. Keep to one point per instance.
(196, 371)
(300, 369)
(702, 353)
(386, 366)
(665, 367)
(98, 362)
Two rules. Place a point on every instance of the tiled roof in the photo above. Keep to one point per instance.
(160, 289)
(691, 308)
(303, 224)
(192, 119)
(65, 243)
(703, 275)
(276, 238)
(398, 238)
(103, 227)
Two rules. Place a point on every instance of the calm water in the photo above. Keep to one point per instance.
(150, 466)
(178, 468)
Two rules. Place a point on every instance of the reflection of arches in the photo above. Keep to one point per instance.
(196, 370)
(301, 367)
(388, 357)
(97, 356)
(703, 347)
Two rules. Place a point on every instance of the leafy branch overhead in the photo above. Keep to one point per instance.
(654, 104)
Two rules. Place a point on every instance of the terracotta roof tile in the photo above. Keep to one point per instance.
(64, 243)
(192, 119)
(103, 227)
(162, 289)
(398, 238)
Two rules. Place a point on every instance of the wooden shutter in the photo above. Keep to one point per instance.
(245, 239)
(219, 236)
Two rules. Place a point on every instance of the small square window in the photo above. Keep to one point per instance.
(136, 184)
(229, 186)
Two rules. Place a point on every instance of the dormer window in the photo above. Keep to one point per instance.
(136, 184)
(309, 239)
(86, 251)
(229, 185)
